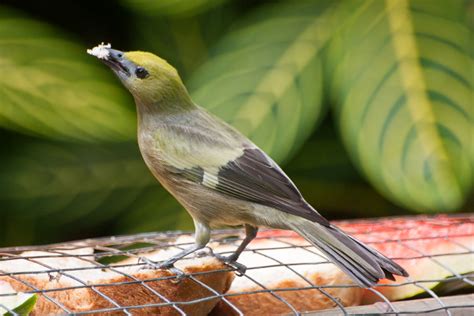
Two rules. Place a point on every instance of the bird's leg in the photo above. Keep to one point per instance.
(202, 235)
(250, 234)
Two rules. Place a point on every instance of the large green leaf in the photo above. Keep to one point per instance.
(182, 40)
(402, 79)
(171, 7)
(55, 191)
(265, 78)
(328, 180)
(50, 87)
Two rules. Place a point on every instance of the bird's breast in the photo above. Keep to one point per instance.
(151, 154)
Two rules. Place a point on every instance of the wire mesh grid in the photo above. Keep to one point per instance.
(113, 271)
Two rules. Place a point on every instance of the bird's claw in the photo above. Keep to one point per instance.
(180, 275)
(148, 264)
(152, 265)
(166, 265)
(231, 261)
(239, 268)
(204, 253)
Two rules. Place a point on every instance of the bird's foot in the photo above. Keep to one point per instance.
(152, 265)
(165, 265)
(204, 253)
(232, 262)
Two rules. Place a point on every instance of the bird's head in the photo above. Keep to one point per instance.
(149, 78)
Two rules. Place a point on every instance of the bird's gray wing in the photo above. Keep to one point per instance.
(255, 177)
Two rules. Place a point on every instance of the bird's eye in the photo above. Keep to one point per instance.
(141, 73)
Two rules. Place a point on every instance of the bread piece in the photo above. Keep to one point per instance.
(87, 298)
(317, 270)
(264, 267)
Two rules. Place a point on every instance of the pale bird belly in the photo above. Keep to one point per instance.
(218, 209)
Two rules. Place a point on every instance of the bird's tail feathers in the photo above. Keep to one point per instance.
(364, 264)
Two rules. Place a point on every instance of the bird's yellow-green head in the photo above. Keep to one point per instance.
(151, 80)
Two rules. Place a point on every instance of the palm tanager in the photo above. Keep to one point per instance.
(221, 177)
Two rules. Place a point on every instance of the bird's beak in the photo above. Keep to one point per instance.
(117, 61)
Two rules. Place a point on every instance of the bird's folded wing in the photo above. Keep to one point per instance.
(254, 177)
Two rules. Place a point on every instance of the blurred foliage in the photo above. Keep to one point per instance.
(409, 130)
(53, 90)
(397, 77)
(278, 98)
(175, 8)
(183, 40)
(327, 179)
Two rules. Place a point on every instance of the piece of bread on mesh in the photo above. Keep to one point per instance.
(265, 259)
(82, 287)
(306, 266)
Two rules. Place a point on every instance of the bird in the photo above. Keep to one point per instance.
(221, 177)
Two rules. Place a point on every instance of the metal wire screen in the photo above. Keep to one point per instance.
(54, 264)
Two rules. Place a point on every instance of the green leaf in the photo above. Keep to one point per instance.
(172, 7)
(52, 88)
(402, 83)
(56, 191)
(328, 180)
(27, 306)
(21, 303)
(265, 78)
(182, 40)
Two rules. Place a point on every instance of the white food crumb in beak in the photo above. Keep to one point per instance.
(100, 51)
